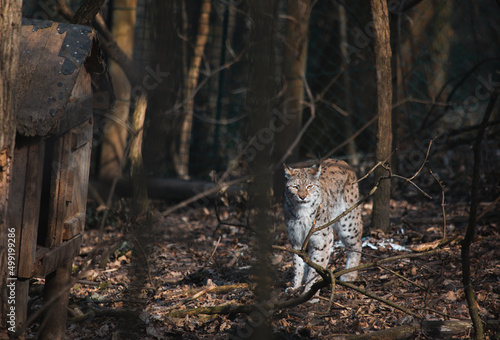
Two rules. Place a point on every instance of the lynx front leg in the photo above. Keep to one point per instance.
(299, 270)
(319, 251)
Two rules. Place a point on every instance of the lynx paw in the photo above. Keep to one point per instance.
(292, 290)
(352, 276)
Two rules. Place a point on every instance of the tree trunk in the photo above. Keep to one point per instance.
(182, 157)
(260, 102)
(294, 70)
(116, 124)
(162, 51)
(10, 24)
(381, 199)
(137, 173)
(346, 78)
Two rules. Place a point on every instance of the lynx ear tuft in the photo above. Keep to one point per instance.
(288, 171)
(316, 170)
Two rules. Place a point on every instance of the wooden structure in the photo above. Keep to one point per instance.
(62, 78)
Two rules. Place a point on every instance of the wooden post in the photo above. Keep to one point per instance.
(56, 287)
(22, 297)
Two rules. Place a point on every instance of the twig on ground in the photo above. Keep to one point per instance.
(402, 277)
(488, 208)
(378, 298)
(216, 290)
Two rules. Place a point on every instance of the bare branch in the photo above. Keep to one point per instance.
(87, 12)
(442, 202)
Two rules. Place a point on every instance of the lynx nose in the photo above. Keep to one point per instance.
(302, 195)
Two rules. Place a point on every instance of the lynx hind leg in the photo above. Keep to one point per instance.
(349, 231)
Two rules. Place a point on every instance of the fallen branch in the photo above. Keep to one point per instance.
(212, 190)
(433, 329)
(196, 293)
(227, 308)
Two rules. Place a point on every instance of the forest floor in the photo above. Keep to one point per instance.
(147, 271)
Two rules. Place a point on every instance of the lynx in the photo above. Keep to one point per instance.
(322, 192)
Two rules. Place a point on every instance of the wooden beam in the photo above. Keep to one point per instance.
(54, 258)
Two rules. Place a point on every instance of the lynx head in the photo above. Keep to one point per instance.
(302, 185)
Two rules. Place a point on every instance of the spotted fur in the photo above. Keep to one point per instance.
(327, 191)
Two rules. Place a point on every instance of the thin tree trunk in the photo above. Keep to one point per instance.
(162, 52)
(137, 173)
(343, 23)
(380, 15)
(115, 137)
(471, 228)
(294, 70)
(182, 161)
(260, 102)
(10, 24)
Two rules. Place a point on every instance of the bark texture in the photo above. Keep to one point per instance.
(383, 54)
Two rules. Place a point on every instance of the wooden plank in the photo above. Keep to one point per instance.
(55, 183)
(31, 211)
(54, 258)
(74, 226)
(78, 179)
(58, 187)
(69, 183)
(40, 252)
(80, 137)
(16, 192)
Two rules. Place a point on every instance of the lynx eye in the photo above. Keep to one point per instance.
(295, 187)
(309, 187)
